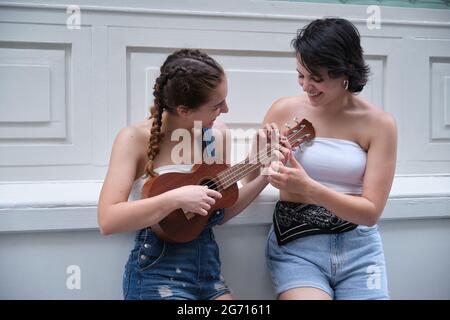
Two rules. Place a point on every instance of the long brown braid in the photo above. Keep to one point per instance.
(186, 78)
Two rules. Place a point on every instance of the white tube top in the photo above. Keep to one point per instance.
(135, 193)
(336, 163)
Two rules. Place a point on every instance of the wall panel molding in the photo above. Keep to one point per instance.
(97, 87)
(241, 10)
(53, 130)
(67, 93)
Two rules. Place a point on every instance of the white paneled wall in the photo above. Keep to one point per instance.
(65, 92)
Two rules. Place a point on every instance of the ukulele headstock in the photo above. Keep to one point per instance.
(302, 133)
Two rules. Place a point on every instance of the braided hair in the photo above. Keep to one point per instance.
(186, 78)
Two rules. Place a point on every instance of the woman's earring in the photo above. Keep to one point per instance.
(345, 84)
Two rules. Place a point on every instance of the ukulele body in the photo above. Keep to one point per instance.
(179, 226)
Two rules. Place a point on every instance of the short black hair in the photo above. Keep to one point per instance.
(334, 44)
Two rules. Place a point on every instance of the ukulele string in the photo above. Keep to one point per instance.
(226, 176)
(263, 155)
(245, 171)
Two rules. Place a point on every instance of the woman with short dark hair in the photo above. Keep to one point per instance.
(324, 242)
(333, 44)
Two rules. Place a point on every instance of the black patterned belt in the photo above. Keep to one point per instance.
(293, 220)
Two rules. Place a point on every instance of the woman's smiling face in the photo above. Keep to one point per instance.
(216, 104)
(320, 88)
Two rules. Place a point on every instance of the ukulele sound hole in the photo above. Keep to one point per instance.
(210, 183)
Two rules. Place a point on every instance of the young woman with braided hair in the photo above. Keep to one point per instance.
(191, 87)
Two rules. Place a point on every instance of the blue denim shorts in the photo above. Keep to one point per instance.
(159, 270)
(348, 265)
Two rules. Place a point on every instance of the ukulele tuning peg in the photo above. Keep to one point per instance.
(287, 125)
(296, 120)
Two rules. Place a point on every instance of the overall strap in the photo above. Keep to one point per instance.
(208, 142)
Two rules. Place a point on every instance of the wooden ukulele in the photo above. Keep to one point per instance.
(180, 226)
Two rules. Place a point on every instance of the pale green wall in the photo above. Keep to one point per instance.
(431, 4)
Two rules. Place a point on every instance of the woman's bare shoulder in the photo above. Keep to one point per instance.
(133, 136)
(285, 107)
(375, 116)
(376, 121)
(284, 103)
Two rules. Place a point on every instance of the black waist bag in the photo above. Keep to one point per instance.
(293, 220)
